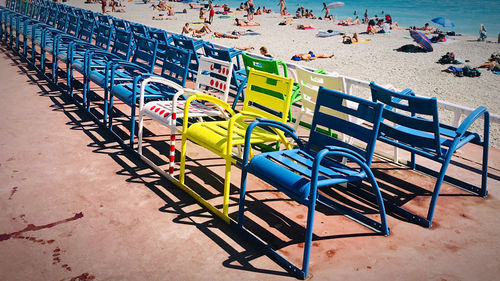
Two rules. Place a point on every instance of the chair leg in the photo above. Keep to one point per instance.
(486, 142)
(172, 152)
(132, 126)
(437, 187)
(183, 159)
(227, 186)
(243, 186)
(308, 238)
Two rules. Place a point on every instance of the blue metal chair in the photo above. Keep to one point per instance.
(192, 45)
(303, 172)
(412, 123)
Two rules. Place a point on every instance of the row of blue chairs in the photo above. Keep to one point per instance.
(118, 56)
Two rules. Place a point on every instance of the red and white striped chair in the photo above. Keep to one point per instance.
(214, 78)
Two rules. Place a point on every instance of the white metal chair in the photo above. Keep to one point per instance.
(214, 78)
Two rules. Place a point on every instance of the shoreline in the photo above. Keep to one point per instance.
(375, 60)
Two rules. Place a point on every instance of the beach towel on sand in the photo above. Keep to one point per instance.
(362, 41)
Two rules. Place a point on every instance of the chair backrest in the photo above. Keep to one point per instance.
(309, 83)
(89, 15)
(122, 45)
(268, 95)
(73, 26)
(62, 19)
(186, 43)
(120, 24)
(52, 17)
(221, 54)
(214, 77)
(366, 136)
(409, 119)
(103, 36)
(266, 65)
(139, 30)
(105, 19)
(86, 31)
(163, 40)
(79, 12)
(176, 65)
(145, 52)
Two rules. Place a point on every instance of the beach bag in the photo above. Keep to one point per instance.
(448, 58)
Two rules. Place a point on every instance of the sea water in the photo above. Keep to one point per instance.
(467, 15)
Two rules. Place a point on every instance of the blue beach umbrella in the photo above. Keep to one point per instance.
(422, 40)
(443, 21)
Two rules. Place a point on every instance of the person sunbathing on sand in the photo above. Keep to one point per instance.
(194, 6)
(426, 27)
(349, 40)
(287, 21)
(304, 26)
(205, 29)
(244, 48)
(310, 56)
(225, 35)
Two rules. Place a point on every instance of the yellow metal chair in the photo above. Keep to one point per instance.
(267, 95)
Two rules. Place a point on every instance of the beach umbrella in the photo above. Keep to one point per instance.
(443, 21)
(334, 5)
(422, 40)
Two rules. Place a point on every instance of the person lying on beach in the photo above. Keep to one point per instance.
(287, 21)
(310, 56)
(491, 65)
(244, 48)
(304, 26)
(264, 52)
(349, 40)
(349, 22)
(330, 17)
(225, 35)
(194, 6)
(426, 27)
(439, 38)
(239, 22)
(205, 29)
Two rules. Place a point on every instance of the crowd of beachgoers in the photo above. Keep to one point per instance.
(366, 47)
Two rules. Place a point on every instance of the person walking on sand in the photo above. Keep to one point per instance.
(282, 7)
(327, 11)
(103, 6)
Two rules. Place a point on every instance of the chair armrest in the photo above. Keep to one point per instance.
(263, 122)
(151, 78)
(205, 97)
(464, 126)
(337, 151)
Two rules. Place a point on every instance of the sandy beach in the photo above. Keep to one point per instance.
(375, 60)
